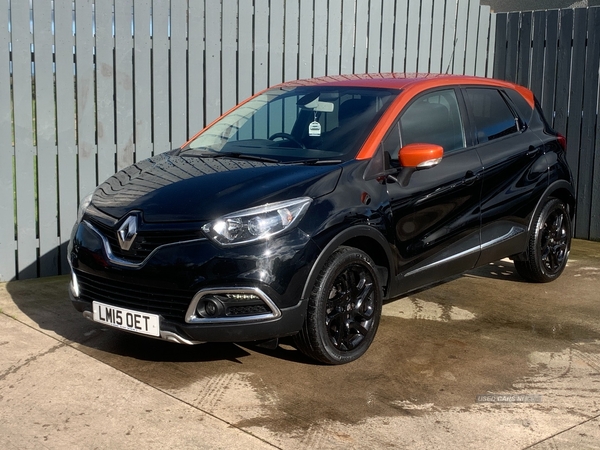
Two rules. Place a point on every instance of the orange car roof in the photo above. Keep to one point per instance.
(404, 80)
(411, 84)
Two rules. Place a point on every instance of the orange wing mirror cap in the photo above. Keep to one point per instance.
(420, 155)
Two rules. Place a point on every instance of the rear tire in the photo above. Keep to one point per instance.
(549, 244)
(343, 310)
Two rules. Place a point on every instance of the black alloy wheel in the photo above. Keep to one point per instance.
(549, 244)
(344, 309)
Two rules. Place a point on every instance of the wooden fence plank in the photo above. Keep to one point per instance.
(449, 37)
(500, 46)
(124, 83)
(523, 60)
(400, 33)
(276, 29)
(292, 12)
(537, 56)
(160, 77)
(563, 70)
(213, 60)
(178, 76)
(320, 40)
(65, 121)
(8, 266)
(576, 96)
(261, 45)
(86, 97)
(512, 48)
(334, 36)
(437, 37)
(588, 204)
(195, 67)
(591, 81)
(483, 47)
(491, 46)
(348, 27)
(374, 37)
(360, 43)
(229, 73)
(471, 42)
(550, 61)
(305, 43)
(461, 36)
(387, 36)
(105, 104)
(45, 124)
(412, 36)
(245, 82)
(24, 150)
(425, 36)
(142, 86)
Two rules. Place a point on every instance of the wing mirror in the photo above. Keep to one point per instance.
(418, 156)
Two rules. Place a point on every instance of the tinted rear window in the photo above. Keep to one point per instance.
(493, 118)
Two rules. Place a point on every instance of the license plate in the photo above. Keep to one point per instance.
(127, 319)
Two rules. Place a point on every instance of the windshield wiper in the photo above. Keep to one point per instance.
(235, 155)
(314, 162)
(238, 155)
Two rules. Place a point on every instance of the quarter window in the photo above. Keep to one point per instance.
(493, 118)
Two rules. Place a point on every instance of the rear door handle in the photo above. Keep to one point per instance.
(533, 151)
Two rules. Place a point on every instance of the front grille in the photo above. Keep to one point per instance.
(145, 242)
(172, 304)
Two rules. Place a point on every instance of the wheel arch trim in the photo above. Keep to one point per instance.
(358, 231)
(560, 185)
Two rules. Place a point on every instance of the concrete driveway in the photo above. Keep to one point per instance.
(531, 352)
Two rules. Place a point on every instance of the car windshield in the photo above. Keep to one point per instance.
(307, 123)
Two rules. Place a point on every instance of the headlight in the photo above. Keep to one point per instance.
(83, 205)
(252, 224)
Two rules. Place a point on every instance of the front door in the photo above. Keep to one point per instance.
(436, 216)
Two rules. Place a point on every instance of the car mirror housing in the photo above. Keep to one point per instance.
(417, 156)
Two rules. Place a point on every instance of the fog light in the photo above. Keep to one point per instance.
(210, 307)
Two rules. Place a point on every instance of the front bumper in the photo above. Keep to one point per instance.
(175, 281)
(288, 323)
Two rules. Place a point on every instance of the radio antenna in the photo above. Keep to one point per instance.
(451, 57)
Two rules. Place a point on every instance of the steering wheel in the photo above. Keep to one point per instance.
(287, 136)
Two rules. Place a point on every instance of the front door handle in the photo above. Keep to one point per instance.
(470, 178)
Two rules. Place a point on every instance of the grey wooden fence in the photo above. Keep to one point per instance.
(90, 86)
(556, 53)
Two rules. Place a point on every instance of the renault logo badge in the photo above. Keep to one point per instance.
(127, 233)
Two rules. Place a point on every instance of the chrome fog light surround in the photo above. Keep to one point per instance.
(205, 306)
(74, 285)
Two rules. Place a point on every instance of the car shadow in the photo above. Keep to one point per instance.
(46, 302)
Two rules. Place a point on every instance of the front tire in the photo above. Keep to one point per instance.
(549, 244)
(343, 310)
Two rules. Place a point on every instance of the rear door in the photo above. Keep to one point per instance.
(436, 216)
(515, 171)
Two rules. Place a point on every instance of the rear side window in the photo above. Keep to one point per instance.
(493, 118)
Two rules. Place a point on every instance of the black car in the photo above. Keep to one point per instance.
(302, 209)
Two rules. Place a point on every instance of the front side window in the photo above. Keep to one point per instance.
(493, 118)
(307, 122)
(433, 118)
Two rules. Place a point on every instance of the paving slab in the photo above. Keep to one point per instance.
(484, 360)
